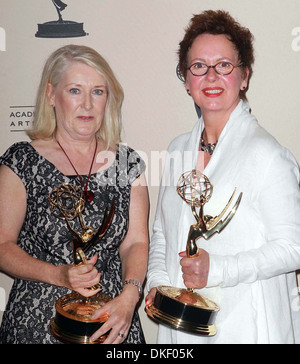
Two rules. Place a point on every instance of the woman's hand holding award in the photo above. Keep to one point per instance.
(184, 309)
(72, 322)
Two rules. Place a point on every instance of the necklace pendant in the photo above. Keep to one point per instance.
(89, 196)
(207, 148)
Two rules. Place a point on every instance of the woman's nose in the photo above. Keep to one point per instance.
(87, 102)
(212, 74)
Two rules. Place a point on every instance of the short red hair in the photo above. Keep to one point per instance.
(218, 22)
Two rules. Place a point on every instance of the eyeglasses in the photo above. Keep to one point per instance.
(222, 68)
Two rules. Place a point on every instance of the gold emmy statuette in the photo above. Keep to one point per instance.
(72, 322)
(184, 309)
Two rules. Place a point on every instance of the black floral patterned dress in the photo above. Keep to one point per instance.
(30, 305)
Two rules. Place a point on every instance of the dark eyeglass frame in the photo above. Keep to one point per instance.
(214, 67)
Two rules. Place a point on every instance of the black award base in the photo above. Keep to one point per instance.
(72, 323)
(60, 29)
(184, 310)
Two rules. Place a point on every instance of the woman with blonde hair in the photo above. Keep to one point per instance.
(75, 140)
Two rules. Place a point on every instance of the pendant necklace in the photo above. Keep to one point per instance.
(208, 148)
(89, 195)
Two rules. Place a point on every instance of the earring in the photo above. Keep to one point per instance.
(179, 74)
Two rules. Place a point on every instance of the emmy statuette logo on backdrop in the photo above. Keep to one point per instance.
(60, 28)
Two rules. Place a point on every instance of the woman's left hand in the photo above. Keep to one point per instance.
(134, 256)
(120, 312)
(195, 269)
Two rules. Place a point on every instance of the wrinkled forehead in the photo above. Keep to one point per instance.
(74, 69)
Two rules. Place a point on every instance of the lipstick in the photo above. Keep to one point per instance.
(213, 91)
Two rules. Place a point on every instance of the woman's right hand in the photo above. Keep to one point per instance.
(149, 300)
(79, 277)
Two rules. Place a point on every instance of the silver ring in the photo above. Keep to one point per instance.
(121, 335)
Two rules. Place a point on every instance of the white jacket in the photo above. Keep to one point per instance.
(253, 260)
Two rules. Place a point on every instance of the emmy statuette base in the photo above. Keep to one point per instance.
(72, 323)
(170, 309)
(69, 338)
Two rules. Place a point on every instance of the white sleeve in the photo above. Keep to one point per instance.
(279, 209)
(157, 273)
